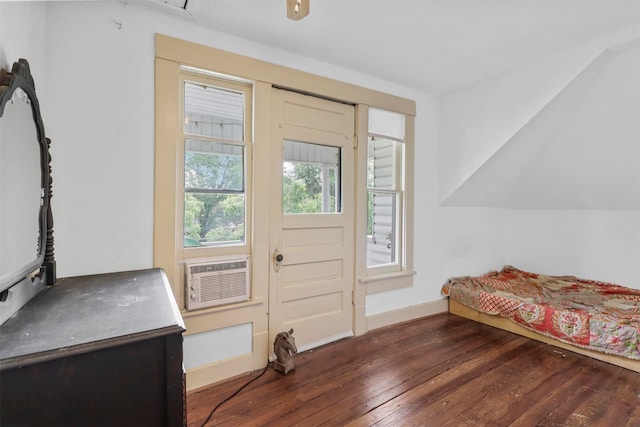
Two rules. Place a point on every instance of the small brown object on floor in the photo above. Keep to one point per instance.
(284, 346)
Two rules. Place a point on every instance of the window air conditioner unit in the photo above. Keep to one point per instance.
(216, 281)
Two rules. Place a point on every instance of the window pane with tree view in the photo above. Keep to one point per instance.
(310, 178)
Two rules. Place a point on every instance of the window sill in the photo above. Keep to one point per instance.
(388, 281)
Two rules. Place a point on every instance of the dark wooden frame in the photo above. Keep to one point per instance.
(20, 77)
(17, 288)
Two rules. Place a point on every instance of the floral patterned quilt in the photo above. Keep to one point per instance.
(596, 315)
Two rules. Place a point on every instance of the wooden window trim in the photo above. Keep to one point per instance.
(375, 279)
(239, 248)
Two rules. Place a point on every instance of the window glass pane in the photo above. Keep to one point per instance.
(214, 112)
(214, 200)
(381, 228)
(213, 219)
(310, 178)
(213, 166)
(387, 123)
(381, 165)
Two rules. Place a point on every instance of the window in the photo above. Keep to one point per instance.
(385, 191)
(310, 178)
(214, 131)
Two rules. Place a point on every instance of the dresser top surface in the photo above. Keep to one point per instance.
(82, 313)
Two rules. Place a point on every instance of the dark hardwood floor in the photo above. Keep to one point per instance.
(441, 370)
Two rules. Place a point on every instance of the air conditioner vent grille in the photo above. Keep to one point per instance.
(221, 286)
(220, 266)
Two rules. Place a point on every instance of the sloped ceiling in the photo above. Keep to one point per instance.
(581, 151)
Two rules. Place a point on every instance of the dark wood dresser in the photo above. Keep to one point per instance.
(95, 350)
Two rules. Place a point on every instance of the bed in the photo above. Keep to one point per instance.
(596, 319)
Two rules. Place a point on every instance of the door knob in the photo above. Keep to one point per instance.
(277, 259)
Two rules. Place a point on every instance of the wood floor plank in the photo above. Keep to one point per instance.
(502, 396)
(601, 409)
(379, 386)
(439, 370)
(448, 394)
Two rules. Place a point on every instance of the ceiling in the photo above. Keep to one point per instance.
(436, 46)
(580, 151)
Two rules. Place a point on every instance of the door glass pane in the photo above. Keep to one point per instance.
(311, 176)
(212, 111)
(214, 199)
(381, 228)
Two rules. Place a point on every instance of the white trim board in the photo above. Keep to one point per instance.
(404, 314)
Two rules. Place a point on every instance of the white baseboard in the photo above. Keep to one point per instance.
(324, 341)
(208, 374)
(404, 314)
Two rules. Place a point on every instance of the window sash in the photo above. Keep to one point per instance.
(231, 144)
(384, 236)
(385, 154)
(213, 110)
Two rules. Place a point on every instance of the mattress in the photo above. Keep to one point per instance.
(600, 316)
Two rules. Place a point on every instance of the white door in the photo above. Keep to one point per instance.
(312, 215)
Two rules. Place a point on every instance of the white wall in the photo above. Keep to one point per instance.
(598, 245)
(22, 35)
